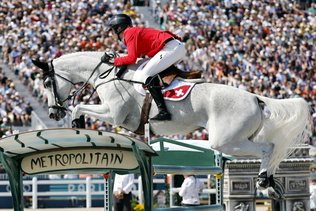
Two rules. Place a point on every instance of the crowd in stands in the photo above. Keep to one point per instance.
(265, 47)
(15, 110)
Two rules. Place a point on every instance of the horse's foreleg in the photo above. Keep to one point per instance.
(100, 111)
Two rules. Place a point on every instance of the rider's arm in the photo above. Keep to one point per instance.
(131, 43)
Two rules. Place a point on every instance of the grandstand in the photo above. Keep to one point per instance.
(265, 47)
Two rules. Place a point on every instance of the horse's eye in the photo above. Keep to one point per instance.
(47, 83)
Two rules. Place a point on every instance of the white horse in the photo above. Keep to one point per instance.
(239, 123)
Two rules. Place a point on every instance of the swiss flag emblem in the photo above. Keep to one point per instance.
(178, 92)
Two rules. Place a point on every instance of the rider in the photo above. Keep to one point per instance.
(163, 47)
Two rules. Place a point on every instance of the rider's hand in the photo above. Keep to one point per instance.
(111, 61)
(106, 58)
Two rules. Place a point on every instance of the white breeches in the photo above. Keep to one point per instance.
(171, 53)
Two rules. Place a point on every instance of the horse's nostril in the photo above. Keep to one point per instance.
(51, 116)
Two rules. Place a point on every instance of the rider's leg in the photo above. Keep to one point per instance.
(155, 90)
(173, 52)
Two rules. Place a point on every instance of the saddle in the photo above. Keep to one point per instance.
(169, 74)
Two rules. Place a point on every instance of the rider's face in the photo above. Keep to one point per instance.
(120, 36)
(117, 36)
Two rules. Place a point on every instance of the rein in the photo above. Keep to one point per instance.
(118, 79)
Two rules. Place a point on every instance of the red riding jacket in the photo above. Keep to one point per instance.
(141, 42)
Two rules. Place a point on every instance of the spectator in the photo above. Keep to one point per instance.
(177, 182)
(122, 191)
(13, 107)
(190, 189)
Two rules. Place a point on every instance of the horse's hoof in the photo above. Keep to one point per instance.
(263, 181)
(273, 194)
(75, 123)
(78, 123)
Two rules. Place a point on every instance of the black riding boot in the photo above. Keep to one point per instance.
(155, 91)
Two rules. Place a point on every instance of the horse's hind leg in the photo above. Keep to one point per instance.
(246, 147)
(261, 150)
(231, 132)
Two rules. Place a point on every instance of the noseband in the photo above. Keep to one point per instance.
(50, 74)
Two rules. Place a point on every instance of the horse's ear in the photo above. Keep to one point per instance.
(43, 65)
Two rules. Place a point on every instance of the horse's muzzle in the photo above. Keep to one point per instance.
(56, 113)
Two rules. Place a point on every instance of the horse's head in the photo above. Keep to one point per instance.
(57, 88)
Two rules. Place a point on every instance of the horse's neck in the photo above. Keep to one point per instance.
(83, 66)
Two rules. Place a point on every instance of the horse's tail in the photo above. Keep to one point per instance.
(286, 124)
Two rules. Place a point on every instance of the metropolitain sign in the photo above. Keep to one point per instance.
(76, 159)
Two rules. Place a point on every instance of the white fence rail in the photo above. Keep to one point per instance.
(78, 187)
(30, 188)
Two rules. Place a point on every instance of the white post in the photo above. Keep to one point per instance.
(140, 190)
(88, 192)
(219, 181)
(34, 193)
(171, 190)
(209, 178)
(107, 191)
(147, 133)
